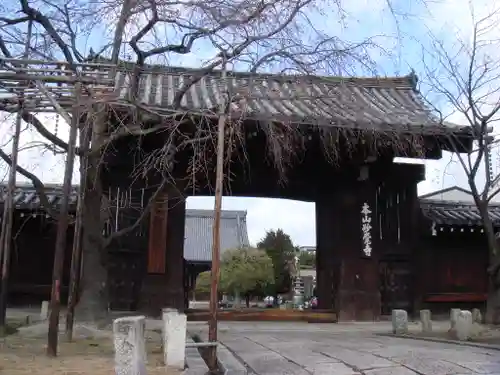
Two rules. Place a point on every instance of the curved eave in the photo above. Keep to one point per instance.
(457, 214)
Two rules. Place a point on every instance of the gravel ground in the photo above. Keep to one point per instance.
(91, 353)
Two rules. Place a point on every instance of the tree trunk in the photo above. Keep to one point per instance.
(492, 315)
(93, 302)
(247, 300)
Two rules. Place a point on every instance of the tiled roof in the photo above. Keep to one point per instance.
(449, 213)
(455, 206)
(366, 103)
(198, 233)
(26, 197)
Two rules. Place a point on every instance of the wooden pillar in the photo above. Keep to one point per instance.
(325, 262)
(416, 243)
(347, 278)
(163, 285)
(399, 233)
(174, 293)
(157, 239)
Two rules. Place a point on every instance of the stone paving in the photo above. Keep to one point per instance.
(270, 348)
(346, 349)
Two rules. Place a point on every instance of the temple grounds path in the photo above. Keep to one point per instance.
(346, 349)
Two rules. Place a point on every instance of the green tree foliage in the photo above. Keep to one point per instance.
(279, 247)
(246, 271)
(243, 271)
(307, 259)
(203, 282)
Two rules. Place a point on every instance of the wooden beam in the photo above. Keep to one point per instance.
(158, 236)
(258, 315)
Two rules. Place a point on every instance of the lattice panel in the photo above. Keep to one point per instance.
(18, 84)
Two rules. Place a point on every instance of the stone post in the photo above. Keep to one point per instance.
(425, 320)
(464, 325)
(453, 319)
(399, 322)
(174, 339)
(167, 310)
(130, 347)
(44, 310)
(477, 316)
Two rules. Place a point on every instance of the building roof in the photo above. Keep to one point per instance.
(26, 197)
(458, 214)
(198, 233)
(198, 224)
(455, 206)
(391, 103)
(307, 248)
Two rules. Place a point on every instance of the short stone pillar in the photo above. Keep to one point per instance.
(168, 309)
(477, 317)
(453, 319)
(425, 320)
(44, 310)
(399, 321)
(174, 339)
(130, 347)
(464, 325)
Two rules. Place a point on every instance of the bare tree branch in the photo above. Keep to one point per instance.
(467, 76)
(37, 183)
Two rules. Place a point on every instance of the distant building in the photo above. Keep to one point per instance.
(453, 195)
(452, 256)
(308, 249)
(199, 231)
(198, 239)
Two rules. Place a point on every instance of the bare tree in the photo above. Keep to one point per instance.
(251, 35)
(466, 74)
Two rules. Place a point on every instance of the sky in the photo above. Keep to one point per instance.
(404, 38)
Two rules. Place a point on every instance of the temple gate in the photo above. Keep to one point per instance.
(340, 147)
(327, 140)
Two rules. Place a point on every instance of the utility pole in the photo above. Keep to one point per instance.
(62, 228)
(8, 209)
(488, 140)
(215, 272)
